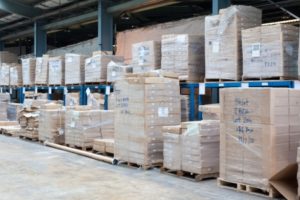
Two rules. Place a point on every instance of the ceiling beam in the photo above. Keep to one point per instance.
(19, 8)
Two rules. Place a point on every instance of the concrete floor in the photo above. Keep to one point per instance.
(31, 171)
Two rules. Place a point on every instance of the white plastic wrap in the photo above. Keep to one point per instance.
(28, 71)
(56, 73)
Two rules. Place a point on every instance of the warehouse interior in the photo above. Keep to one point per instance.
(150, 99)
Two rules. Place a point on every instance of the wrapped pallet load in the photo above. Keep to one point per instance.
(83, 125)
(270, 52)
(13, 111)
(56, 73)
(260, 133)
(28, 71)
(4, 99)
(144, 104)
(223, 52)
(183, 55)
(41, 70)
(4, 74)
(72, 98)
(210, 111)
(74, 72)
(117, 71)
(96, 100)
(15, 75)
(146, 56)
(96, 67)
(51, 123)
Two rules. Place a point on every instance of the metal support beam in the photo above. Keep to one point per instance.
(219, 4)
(105, 28)
(19, 8)
(40, 39)
(2, 45)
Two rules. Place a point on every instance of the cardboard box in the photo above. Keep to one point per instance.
(144, 104)
(4, 74)
(210, 111)
(28, 71)
(8, 57)
(223, 48)
(116, 71)
(41, 70)
(258, 137)
(15, 75)
(74, 72)
(270, 51)
(183, 54)
(104, 145)
(56, 74)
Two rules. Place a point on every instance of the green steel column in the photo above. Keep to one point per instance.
(219, 4)
(40, 39)
(105, 27)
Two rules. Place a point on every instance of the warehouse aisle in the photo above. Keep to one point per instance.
(31, 171)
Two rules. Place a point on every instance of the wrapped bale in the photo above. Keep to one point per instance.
(172, 147)
(4, 74)
(210, 111)
(28, 71)
(104, 145)
(200, 147)
(74, 72)
(72, 99)
(7, 57)
(116, 71)
(270, 51)
(146, 56)
(41, 70)
(259, 134)
(96, 67)
(183, 54)
(51, 123)
(144, 104)
(13, 110)
(223, 48)
(56, 73)
(15, 75)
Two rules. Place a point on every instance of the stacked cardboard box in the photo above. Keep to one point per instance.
(223, 49)
(103, 145)
(210, 111)
(83, 125)
(13, 110)
(29, 122)
(146, 56)
(200, 147)
(28, 71)
(96, 67)
(7, 57)
(15, 75)
(74, 73)
(72, 99)
(4, 99)
(270, 51)
(172, 147)
(260, 133)
(144, 103)
(111, 101)
(183, 54)
(96, 100)
(56, 74)
(51, 123)
(4, 74)
(107, 124)
(41, 70)
(117, 71)
(185, 107)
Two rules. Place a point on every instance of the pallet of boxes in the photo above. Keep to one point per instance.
(191, 150)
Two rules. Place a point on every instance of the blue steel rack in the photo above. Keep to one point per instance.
(215, 86)
(72, 88)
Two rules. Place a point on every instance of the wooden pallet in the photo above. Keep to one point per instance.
(219, 80)
(270, 192)
(98, 83)
(139, 166)
(85, 148)
(188, 175)
(280, 78)
(35, 139)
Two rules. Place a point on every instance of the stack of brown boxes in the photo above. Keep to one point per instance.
(270, 51)
(223, 48)
(260, 133)
(28, 71)
(74, 72)
(183, 55)
(144, 104)
(56, 74)
(51, 123)
(41, 70)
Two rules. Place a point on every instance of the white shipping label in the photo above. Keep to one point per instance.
(255, 50)
(245, 85)
(49, 90)
(215, 46)
(69, 59)
(264, 84)
(65, 90)
(202, 88)
(88, 91)
(163, 111)
(113, 73)
(72, 124)
(23, 90)
(107, 90)
(297, 85)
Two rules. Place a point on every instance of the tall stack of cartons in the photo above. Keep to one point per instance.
(270, 51)
(74, 72)
(4, 74)
(223, 48)
(15, 75)
(56, 74)
(28, 71)
(96, 67)
(183, 55)
(260, 133)
(41, 70)
(146, 56)
(52, 123)
(144, 104)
